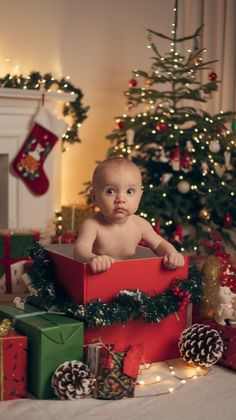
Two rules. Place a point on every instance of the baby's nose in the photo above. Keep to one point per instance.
(120, 198)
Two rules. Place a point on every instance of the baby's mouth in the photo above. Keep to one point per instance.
(120, 210)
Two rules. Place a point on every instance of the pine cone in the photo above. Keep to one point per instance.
(201, 345)
(72, 380)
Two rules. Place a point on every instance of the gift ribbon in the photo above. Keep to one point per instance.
(6, 261)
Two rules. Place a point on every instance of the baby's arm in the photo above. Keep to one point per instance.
(162, 248)
(83, 249)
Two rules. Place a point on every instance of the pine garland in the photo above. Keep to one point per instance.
(127, 305)
(45, 82)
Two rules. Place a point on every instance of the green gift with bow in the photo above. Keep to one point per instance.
(53, 339)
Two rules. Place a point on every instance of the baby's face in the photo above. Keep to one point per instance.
(117, 191)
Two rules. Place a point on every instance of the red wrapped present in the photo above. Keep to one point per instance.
(117, 371)
(228, 335)
(13, 365)
(14, 251)
(144, 272)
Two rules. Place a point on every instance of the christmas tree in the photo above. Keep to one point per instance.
(187, 156)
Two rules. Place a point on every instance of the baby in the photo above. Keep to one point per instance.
(114, 232)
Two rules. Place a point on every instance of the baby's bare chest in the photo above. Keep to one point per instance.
(118, 243)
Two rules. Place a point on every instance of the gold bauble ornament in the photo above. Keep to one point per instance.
(148, 82)
(211, 271)
(205, 214)
(5, 327)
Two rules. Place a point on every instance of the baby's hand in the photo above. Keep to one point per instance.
(173, 260)
(100, 263)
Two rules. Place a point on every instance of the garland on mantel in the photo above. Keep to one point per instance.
(47, 83)
(128, 304)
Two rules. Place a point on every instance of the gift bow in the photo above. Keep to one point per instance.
(131, 361)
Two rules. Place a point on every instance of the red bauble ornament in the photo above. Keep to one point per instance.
(212, 76)
(120, 124)
(228, 220)
(161, 126)
(132, 83)
(157, 228)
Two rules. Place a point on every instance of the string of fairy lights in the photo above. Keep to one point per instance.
(147, 379)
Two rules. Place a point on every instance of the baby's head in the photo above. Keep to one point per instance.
(108, 166)
(117, 178)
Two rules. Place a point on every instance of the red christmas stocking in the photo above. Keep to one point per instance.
(28, 163)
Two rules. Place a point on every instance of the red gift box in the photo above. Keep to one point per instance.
(146, 273)
(14, 248)
(228, 335)
(13, 364)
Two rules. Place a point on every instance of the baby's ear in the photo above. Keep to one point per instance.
(92, 196)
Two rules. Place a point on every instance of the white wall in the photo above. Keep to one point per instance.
(98, 43)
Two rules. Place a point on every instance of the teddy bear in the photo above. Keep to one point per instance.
(225, 306)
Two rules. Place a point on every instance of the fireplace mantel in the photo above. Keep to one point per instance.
(19, 208)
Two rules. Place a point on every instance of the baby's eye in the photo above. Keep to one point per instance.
(130, 191)
(110, 191)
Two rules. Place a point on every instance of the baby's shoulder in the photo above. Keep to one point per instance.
(140, 221)
(91, 221)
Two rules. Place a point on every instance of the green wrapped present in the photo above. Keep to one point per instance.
(53, 339)
(14, 252)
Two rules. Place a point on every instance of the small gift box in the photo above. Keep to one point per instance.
(13, 363)
(14, 252)
(116, 371)
(74, 215)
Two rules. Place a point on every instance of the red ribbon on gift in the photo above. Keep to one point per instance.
(6, 261)
(132, 358)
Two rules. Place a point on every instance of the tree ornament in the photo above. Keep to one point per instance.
(234, 125)
(225, 306)
(205, 214)
(130, 133)
(132, 83)
(157, 227)
(204, 168)
(165, 178)
(5, 327)
(120, 124)
(165, 105)
(186, 162)
(212, 76)
(175, 159)
(211, 272)
(161, 126)
(200, 345)
(214, 146)
(72, 380)
(219, 169)
(228, 220)
(178, 234)
(183, 187)
(148, 82)
(189, 146)
(227, 158)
